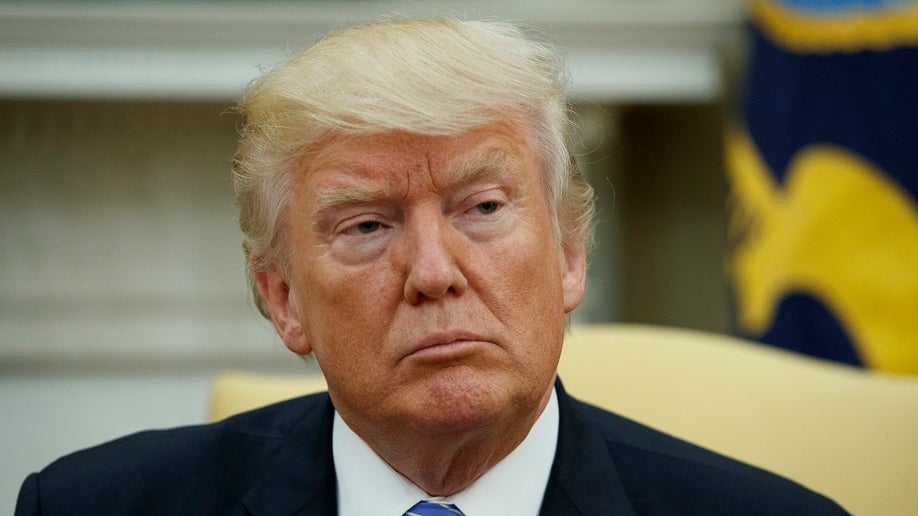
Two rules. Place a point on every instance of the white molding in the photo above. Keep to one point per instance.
(660, 50)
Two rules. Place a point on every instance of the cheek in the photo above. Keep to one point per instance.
(532, 263)
(522, 282)
(353, 298)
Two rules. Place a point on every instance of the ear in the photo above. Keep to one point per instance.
(573, 276)
(275, 292)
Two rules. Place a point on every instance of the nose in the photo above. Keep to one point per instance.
(431, 252)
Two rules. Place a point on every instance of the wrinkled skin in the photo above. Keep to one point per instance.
(427, 280)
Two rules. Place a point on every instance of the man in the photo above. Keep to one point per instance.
(412, 219)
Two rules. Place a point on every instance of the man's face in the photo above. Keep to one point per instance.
(426, 279)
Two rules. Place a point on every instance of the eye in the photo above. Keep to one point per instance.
(366, 227)
(487, 207)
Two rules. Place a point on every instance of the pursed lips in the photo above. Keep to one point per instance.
(445, 344)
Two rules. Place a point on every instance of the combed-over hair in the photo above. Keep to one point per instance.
(433, 77)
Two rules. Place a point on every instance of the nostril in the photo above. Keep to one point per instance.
(431, 252)
(433, 276)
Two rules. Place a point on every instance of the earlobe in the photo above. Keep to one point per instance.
(275, 292)
(573, 276)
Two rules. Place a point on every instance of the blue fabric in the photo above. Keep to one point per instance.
(804, 324)
(860, 99)
(424, 508)
(863, 101)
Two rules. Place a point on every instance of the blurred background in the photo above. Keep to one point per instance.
(121, 273)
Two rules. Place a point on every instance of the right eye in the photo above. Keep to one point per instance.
(365, 227)
(487, 207)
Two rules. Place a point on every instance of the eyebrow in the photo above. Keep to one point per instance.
(497, 164)
(341, 196)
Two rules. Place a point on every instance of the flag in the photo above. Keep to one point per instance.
(823, 171)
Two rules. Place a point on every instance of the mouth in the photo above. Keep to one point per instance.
(446, 346)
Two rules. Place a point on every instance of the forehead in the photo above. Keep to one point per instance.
(339, 160)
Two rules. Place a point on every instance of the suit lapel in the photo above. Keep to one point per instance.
(300, 477)
(583, 479)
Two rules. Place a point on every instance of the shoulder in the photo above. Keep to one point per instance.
(154, 450)
(660, 471)
(190, 466)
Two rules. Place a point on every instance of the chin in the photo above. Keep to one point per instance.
(465, 399)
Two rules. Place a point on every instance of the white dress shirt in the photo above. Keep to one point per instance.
(514, 486)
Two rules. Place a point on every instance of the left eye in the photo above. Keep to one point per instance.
(487, 207)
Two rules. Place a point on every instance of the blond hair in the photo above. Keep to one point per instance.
(433, 77)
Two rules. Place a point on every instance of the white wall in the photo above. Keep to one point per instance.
(122, 287)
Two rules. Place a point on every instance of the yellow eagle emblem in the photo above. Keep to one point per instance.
(838, 230)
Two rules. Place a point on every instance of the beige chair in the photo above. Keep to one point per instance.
(850, 434)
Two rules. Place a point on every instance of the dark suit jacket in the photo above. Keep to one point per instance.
(278, 461)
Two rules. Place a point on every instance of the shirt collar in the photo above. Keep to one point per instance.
(514, 486)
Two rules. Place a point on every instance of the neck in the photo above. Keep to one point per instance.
(445, 464)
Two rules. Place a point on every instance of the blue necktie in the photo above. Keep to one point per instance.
(433, 509)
